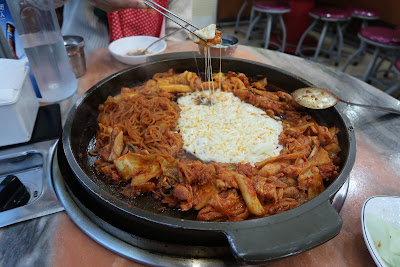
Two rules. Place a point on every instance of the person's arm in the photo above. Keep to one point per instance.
(115, 5)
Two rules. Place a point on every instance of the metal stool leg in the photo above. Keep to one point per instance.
(393, 89)
(252, 14)
(267, 32)
(253, 22)
(364, 23)
(378, 66)
(321, 40)
(331, 48)
(340, 47)
(370, 65)
(303, 36)
(389, 68)
(239, 15)
(354, 55)
(395, 85)
(394, 78)
(337, 42)
(283, 33)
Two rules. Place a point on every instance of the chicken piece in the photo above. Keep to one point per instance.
(249, 195)
(176, 88)
(281, 206)
(202, 195)
(311, 180)
(181, 192)
(178, 83)
(292, 170)
(324, 135)
(246, 169)
(268, 189)
(195, 172)
(125, 96)
(110, 173)
(291, 192)
(141, 168)
(280, 158)
(210, 214)
(134, 191)
(225, 178)
(328, 171)
(297, 130)
(321, 157)
(226, 206)
(260, 84)
(272, 168)
(117, 144)
(185, 195)
(333, 149)
(169, 166)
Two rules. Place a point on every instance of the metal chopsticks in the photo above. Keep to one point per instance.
(153, 5)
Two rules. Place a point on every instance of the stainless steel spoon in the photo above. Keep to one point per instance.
(316, 98)
(143, 52)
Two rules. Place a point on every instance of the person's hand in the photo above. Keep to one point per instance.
(115, 5)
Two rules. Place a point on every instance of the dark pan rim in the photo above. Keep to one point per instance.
(200, 225)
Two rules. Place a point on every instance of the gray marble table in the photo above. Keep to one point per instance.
(54, 240)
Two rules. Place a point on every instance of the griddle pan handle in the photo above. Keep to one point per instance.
(177, 55)
(255, 245)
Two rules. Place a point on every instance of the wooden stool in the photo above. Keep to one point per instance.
(383, 40)
(329, 16)
(271, 9)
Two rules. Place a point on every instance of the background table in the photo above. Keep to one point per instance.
(55, 240)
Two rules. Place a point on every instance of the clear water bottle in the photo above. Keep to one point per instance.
(40, 35)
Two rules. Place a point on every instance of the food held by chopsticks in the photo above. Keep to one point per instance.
(209, 33)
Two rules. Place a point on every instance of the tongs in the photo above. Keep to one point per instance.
(154, 6)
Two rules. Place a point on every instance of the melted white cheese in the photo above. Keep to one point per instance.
(206, 33)
(228, 131)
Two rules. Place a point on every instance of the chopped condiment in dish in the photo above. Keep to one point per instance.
(137, 52)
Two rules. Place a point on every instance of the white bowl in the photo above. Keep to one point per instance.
(378, 214)
(120, 47)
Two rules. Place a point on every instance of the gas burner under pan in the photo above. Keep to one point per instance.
(77, 204)
(137, 248)
(31, 164)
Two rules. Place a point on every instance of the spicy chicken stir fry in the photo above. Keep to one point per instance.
(138, 146)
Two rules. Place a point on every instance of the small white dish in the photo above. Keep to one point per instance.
(119, 48)
(382, 210)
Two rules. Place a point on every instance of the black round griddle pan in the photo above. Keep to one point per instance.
(252, 241)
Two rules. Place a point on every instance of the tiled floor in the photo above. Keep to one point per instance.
(356, 70)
